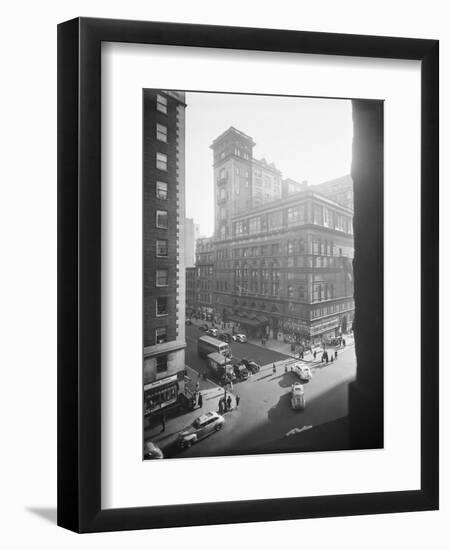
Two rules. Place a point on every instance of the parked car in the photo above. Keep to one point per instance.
(241, 338)
(298, 401)
(152, 451)
(253, 367)
(204, 425)
(213, 332)
(241, 372)
(303, 372)
(224, 336)
(204, 327)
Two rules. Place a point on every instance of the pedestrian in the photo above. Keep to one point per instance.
(343, 342)
(229, 402)
(200, 400)
(285, 368)
(274, 368)
(315, 354)
(197, 386)
(220, 406)
(237, 401)
(163, 423)
(335, 354)
(332, 358)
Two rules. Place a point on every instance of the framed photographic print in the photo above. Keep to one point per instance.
(248, 275)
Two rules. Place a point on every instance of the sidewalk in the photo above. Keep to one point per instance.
(285, 348)
(175, 424)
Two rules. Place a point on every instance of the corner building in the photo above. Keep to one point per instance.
(163, 250)
(283, 265)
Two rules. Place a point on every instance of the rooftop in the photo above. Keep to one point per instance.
(232, 132)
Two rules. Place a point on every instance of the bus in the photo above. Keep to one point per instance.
(221, 367)
(208, 344)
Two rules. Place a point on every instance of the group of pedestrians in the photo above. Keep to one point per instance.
(225, 403)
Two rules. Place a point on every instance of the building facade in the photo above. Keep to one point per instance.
(204, 275)
(283, 261)
(163, 249)
(189, 243)
(191, 290)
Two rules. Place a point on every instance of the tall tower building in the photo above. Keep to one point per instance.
(163, 249)
(233, 155)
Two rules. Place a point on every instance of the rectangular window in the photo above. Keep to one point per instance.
(161, 363)
(161, 335)
(162, 277)
(161, 104)
(161, 132)
(161, 161)
(161, 190)
(275, 220)
(318, 215)
(255, 225)
(296, 215)
(162, 219)
(161, 248)
(161, 305)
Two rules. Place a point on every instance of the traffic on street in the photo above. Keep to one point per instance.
(239, 414)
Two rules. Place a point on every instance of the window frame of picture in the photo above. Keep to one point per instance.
(79, 274)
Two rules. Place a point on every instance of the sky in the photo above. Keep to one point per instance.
(307, 139)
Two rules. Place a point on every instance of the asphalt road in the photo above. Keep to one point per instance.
(255, 353)
(264, 414)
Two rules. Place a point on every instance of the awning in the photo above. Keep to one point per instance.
(245, 322)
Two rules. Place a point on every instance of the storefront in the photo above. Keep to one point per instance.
(328, 328)
(161, 394)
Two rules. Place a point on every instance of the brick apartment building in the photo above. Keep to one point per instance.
(163, 249)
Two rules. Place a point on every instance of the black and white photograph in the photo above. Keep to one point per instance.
(248, 282)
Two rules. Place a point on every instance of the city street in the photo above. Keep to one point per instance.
(264, 414)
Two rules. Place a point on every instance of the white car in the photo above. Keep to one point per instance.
(213, 332)
(241, 338)
(298, 401)
(303, 372)
(204, 425)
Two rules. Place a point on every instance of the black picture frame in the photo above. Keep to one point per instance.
(79, 274)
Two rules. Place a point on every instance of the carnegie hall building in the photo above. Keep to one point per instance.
(283, 249)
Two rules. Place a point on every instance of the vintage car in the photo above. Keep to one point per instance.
(298, 401)
(241, 338)
(241, 372)
(303, 372)
(204, 425)
(253, 367)
(225, 337)
(152, 451)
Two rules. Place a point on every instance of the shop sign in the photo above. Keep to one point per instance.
(161, 382)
